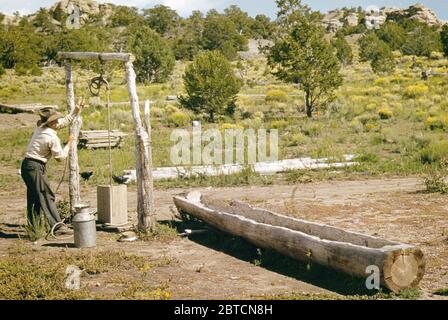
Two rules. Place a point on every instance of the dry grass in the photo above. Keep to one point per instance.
(27, 274)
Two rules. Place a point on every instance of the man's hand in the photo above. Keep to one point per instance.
(80, 105)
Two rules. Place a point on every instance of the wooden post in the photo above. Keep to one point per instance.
(74, 189)
(146, 215)
(147, 117)
(145, 197)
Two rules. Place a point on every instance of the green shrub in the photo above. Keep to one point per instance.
(385, 113)
(444, 39)
(2, 70)
(434, 123)
(415, 91)
(435, 55)
(37, 227)
(154, 59)
(367, 157)
(367, 118)
(442, 292)
(311, 129)
(435, 152)
(179, 119)
(344, 51)
(435, 181)
(21, 70)
(279, 124)
(36, 71)
(277, 96)
(211, 86)
(122, 117)
(383, 81)
(297, 139)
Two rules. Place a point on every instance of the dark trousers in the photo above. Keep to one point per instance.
(39, 194)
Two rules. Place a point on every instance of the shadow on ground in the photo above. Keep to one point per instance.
(11, 231)
(237, 247)
(59, 245)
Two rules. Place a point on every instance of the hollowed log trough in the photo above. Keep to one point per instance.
(401, 266)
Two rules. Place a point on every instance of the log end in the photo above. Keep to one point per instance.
(404, 269)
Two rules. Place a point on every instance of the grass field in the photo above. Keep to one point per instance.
(395, 124)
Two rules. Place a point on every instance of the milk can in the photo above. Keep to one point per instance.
(84, 225)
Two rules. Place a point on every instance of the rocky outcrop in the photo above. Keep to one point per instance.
(86, 8)
(333, 20)
(415, 12)
(352, 19)
(10, 19)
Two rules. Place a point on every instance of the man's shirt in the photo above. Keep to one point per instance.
(45, 142)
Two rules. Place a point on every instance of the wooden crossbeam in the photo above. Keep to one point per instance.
(107, 56)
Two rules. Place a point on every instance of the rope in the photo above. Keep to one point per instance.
(51, 233)
(63, 176)
(95, 89)
(109, 132)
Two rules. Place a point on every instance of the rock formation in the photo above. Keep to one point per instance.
(87, 9)
(415, 12)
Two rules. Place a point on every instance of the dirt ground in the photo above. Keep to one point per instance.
(395, 209)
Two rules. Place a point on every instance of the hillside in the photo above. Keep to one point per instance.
(334, 19)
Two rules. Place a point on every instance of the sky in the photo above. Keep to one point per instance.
(253, 7)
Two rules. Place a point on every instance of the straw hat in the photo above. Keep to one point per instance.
(48, 115)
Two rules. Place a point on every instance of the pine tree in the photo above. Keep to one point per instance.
(444, 39)
(154, 58)
(302, 56)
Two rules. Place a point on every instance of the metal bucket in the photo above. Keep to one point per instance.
(84, 225)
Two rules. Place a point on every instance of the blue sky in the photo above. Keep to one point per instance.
(268, 7)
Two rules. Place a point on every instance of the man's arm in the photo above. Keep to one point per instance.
(57, 151)
(67, 120)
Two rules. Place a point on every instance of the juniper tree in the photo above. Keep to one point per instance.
(211, 85)
(301, 55)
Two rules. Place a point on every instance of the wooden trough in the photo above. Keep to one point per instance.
(100, 139)
(402, 266)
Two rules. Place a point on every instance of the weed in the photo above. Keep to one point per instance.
(385, 113)
(63, 207)
(442, 292)
(37, 226)
(277, 96)
(163, 233)
(434, 153)
(435, 180)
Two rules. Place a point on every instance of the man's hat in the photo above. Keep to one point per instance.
(48, 115)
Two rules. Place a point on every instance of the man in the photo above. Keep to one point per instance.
(44, 144)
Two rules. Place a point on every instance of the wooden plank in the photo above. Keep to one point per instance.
(111, 56)
(402, 266)
(100, 139)
(102, 136)
(104, 133)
